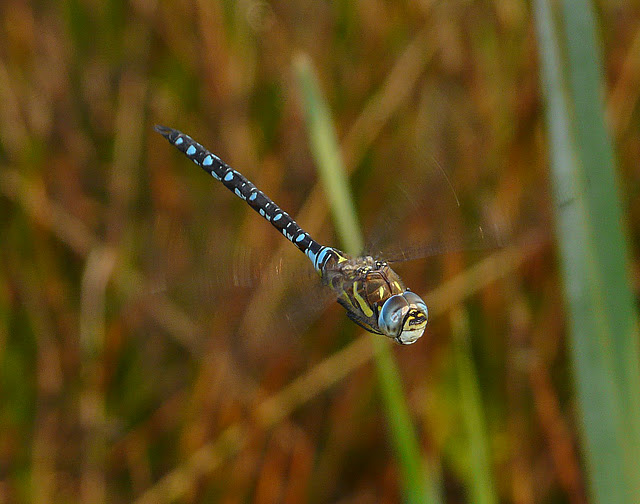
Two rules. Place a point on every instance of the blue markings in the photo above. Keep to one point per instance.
(321, 258)
(311, 255)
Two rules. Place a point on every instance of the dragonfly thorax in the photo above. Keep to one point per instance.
(375, 297)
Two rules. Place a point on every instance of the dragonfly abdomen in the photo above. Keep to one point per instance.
(246, 190)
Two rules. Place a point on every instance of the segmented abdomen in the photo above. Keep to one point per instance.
(243, 188)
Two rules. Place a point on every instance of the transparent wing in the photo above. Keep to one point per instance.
(200, 263)
(244, 290)
(428, 212)
(477, 239)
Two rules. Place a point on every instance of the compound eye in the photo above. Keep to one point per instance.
(415, 320)
(415, 301)
(392, 315)
(403, 317)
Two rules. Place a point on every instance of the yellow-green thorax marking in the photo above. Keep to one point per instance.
(364, 286)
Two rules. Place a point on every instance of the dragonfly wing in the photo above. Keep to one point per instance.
(479, 239)
(278, 315)
(197, 266)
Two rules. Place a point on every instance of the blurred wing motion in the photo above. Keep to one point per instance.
(481, 239)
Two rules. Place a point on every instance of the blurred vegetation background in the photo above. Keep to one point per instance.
(159, 342)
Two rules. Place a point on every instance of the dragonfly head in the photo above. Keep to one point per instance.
(403, 317)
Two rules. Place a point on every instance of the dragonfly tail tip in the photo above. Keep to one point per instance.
(163, 130)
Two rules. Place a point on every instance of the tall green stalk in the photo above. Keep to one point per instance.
(481, 486)
(418, 485)
(603, 330)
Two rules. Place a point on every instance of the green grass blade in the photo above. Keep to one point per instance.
(603, 333)
(418, 486)
(481, 487)
(324, 146)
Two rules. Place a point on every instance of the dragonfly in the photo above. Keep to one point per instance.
(372, 293)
